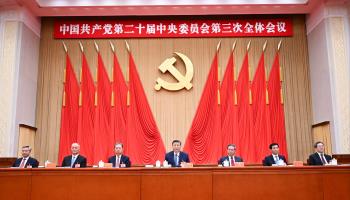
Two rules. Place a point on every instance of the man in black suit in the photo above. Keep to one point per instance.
(176, 156)
(231, 159)
(319, 157)
(275, 158)
(26, 161)
(119, 160)
(75, 160)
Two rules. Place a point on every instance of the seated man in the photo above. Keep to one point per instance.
(26, 161)
(230, 158)
(119, 160)
(319, 157)
(274, 158)
(75, 160)
(176, 156)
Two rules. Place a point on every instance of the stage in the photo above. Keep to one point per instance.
(204, 183)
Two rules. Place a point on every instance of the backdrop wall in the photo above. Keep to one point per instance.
(174, 111)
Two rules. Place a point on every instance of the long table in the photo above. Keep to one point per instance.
(202, 183)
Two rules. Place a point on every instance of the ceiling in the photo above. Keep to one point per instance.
(163, 7)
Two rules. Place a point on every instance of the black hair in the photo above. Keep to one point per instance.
(319, 142)
(176, 141)
(273, 144)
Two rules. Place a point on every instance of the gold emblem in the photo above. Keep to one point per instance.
(184, 81)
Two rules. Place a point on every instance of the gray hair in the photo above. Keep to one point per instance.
(118, 143)
(27, 146)
(231, 145)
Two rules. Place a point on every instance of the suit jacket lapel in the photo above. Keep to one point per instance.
(172, 157)
(318, 158)
(272, 159)
(121, 159)
(76, 160)
(25, 166)
(70, 160)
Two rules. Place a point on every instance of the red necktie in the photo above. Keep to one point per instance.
(232, 161)
(22, 163)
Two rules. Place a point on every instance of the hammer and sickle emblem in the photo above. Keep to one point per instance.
(183, 81)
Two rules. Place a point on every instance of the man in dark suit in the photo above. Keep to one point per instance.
(75, 160)
(176, 156)
(119, 160)
(275, 158)
(26, 161)
(231, 159)
(319, 157)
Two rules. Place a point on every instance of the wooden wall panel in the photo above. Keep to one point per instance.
(322, 132)
(174, 111)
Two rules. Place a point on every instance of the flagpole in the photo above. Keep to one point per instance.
(280, 71)
(249, 73)
(98, 51)
(64, 76)
(278, 50)
(80, 76)
(127, 74)
(219, 70)
(234, 78)
(112, 96)
(267, 92)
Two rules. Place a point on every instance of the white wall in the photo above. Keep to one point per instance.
(19, 49)
(328, 43)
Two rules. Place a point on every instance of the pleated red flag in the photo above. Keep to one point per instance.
(144, 142)
(85, 136)
(204, 140)
(104, 138)
(70, 111)
(119, 107)
(229, 108)
(261, 116)
(276, 107)
(245, 123)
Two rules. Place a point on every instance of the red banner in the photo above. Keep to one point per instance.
(173, 28)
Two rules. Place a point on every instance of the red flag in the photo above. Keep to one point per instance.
(261, 116)
(119, 107)
(104, 138)
(229, 112)
(144, 143)
(245, 114)
(69, 113)
(86, 135)
(203, 141)
(276, 107)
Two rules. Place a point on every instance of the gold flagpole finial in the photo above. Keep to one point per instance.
(81, 47)
(96, 47)
(264, 47)
(248, 46)
(279, 45)
(127, 46)
(64, 47)
(112, 46)
(218, 46)
(234, 46)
